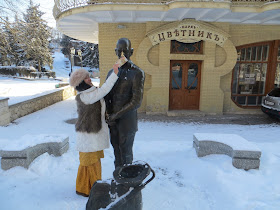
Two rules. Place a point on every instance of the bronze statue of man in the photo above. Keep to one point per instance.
(122, 103)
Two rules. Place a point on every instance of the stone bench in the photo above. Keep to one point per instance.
(244, 154)
(18, 153)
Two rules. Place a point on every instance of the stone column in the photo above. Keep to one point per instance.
(4, 112)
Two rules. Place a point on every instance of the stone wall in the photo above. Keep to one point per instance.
(4, 112)
(15, 111)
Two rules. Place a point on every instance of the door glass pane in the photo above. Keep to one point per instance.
(176, 76)
(256, 79)
(241, 100)
(263, 78)
(248, 54)
(254, 53)
(265, 52)
(245, 79)
(241, 77)
(259, 100)
(277, 73)
(252, 100)
(259, 53)
(238, 55)
(242, 57)
(235, 78)
(278, 57)
(251, 78)
(192, 76)
(277, 76)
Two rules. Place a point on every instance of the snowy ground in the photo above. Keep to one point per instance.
(183, 181)
(18, 90)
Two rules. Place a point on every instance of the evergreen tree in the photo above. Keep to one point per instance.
(19, 43)
(65, 43)
(90, 55)
(15, 39)
(4, 48)
(37, 35)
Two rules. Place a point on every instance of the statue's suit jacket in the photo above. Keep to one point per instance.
(126, 96)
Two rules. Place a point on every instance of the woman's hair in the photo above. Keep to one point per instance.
(82, 86)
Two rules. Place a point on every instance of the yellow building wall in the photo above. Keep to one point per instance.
(216, 70)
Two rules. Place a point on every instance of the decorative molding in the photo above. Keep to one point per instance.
(188, 31)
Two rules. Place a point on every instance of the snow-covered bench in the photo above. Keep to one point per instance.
(245, 154)
(24, 150)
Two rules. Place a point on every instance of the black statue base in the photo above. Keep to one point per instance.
(114, 197)
(125, 194)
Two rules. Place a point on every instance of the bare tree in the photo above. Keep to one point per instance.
(10, 8)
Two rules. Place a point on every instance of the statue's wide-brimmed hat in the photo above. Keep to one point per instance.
(77, 77)
(132, 175)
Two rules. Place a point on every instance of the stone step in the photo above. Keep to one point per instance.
(24, 157)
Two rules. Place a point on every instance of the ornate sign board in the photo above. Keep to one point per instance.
(188, 31)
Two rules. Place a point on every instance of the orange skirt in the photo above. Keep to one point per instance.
(89, 171)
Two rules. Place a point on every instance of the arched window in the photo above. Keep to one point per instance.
(256, 72)
(186, 48)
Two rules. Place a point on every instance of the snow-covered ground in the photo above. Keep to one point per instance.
(61, 65)
(183, 181)
(18, 90)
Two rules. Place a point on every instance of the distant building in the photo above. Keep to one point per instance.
(212, 56)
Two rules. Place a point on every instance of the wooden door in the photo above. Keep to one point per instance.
(184, 88)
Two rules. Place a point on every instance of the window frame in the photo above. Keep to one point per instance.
(199, 53)
(270, 72)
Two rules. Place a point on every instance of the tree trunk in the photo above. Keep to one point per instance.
(39, 66)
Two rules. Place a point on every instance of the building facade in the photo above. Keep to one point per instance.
(214, 57)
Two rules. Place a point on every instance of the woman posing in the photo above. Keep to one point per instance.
(91, 128)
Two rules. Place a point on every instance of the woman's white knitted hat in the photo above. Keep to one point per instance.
(77, 77)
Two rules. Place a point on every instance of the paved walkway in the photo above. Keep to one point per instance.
(239, 119)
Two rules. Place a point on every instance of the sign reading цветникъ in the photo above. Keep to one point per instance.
(188, 31)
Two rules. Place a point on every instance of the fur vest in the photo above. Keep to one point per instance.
(89, 116)
(91, 129)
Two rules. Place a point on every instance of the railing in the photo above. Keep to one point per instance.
(64, 5)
